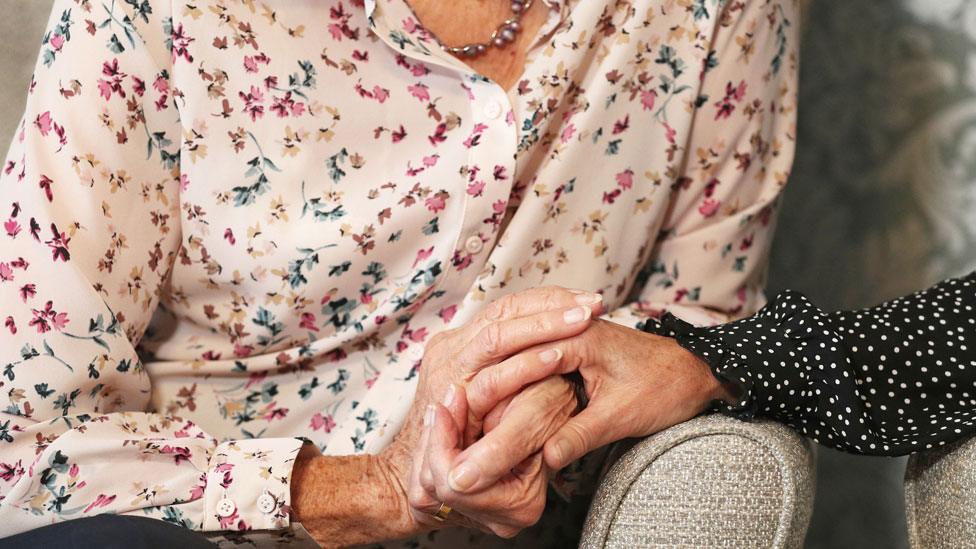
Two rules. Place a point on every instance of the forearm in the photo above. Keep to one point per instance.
(349, 500)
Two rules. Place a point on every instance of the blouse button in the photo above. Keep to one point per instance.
(266, 504)
(225, 508)
(493, 110)
(474, 245)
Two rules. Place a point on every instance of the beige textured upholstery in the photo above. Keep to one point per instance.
(710, 482)
(940, 497)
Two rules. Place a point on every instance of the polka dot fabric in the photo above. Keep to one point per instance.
(894, 379)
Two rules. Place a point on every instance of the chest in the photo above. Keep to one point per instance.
(341, 172)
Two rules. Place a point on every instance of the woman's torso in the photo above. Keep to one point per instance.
(343, 190)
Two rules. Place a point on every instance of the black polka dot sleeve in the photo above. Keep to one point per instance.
(889, 380)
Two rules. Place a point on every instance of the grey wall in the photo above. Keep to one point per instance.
(21, 27)
(882, 200)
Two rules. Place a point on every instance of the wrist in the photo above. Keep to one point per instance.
(350, 500)
(395, 463)
(300, 478)
(710, 388)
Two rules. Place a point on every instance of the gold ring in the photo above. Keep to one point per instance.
(442, 512)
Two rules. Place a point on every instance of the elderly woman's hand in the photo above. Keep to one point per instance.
(490, 351)
(516, 500)
(637, 384)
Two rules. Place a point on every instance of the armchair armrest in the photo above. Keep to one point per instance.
(940, 497)
(712, 481)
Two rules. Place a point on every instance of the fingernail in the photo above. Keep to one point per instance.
(562, 450)
(588, 299)
(449, 397)
(578, 314)
(550, 355)
(463, 477)
(429, 416)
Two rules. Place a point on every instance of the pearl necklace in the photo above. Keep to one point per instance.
(502, 36)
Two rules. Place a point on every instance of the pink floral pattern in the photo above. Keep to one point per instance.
(229, 223)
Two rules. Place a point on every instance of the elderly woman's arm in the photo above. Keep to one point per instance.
(90, 198)
(90, 194)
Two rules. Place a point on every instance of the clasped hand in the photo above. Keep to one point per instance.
(493, 414)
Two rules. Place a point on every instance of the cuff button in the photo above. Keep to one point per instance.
(225, 508)
(267, 504)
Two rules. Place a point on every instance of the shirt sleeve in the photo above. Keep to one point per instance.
(90, 211)
(710, 260)
(890, 380)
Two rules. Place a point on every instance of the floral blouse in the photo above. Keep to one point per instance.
(231, 223)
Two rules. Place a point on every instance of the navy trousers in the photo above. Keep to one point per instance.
(109, 532)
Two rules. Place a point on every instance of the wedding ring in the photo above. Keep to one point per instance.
(442, 512)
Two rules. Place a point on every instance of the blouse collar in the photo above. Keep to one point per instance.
(394, 22)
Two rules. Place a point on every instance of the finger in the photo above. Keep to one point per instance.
(442, 449)
(441, 446)
(494, 418)
(422, 496)
(477, 428)
(522, 432)
(592, 428)
(426, 478)
(499, 340)
(418, 493)
(493, 384)
(456, 402)
(515, 501)
(535, 300)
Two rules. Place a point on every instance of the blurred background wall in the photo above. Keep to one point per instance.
(882, 199)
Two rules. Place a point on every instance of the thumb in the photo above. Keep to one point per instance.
(590, 429)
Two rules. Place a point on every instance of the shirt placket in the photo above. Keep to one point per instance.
(489, 116)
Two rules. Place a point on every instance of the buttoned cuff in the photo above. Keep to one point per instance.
(248, 484)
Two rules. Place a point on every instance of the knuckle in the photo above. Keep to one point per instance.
(552, 290)
(581, 435)
(485, 387)
(541, 324)
(492, 383)
(498, 309)
(553, 296)
(490, 339)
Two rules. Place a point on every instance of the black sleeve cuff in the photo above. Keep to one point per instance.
(747, 354)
